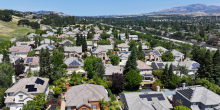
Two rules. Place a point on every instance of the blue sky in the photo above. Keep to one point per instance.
(99, 7)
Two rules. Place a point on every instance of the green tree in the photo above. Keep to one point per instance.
(84, 44)
(165, 75)
(205, 37)
(5, 56)
(100, 68)
(115, 60)
(57, 90)
(6, 73)
(103, 103)
(38, 103)
(183, 70)
(31, 53)
(216, 63)
(140, 47)
(167, 57)
(132, 79)
(75, 78)
(88, 66)
(174, 81)
(2, 94)
(181, 108)
(132, 62)
(170, 71)
(132, 44)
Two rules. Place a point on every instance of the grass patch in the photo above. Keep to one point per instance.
(50, 87)
(130, 91)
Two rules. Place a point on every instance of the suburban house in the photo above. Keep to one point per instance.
(161, 65)
(70, 34)
(123, 37)
(133, 37)
(123, 55)
(152, 55)
(31, 63)
(197, 98)
(100, 52)
(162, 50)
(96, 39)
(24, 90)
(66, 43)
(110, 69)
(75, 51)
(123, 47)
(145, 71)
(21, 51)
(178, 56)
(89, 45)
(84, 97)
(73, 63)
(63, 36)
(47, 41)
(13, 59)
(31, 36)
(25, 43)
(44, 46)
(144, 47)
(108, 47)
(112, 40)
(145, 101)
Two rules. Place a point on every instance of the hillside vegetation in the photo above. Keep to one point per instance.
(10, 29)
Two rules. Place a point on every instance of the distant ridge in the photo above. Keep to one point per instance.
(48, 12)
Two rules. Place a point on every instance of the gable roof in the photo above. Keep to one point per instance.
(149, 52)
(96, 37)
(33, 61)
(47, 41)
(108, 47)
(133, 36)
(123, 54)
(69, 33)
(24, 43)
(63, 35)
(110, 69)
(99, 49)
(63, 42)
(123, 45)
(20, 49)
(175, 52)
(161, 65)
(160, 47)
(77, 49)
(20, 86)
(89, 42)
(73, 61)
(142, 65)
(44, 46)
(133, 101)
(82, 94)
(200, 94)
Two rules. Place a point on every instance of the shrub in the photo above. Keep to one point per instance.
(111, 95)
(57, 90)
(154, 86)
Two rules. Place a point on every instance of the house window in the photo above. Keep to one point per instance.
(69, 108)
(209, 106)
(20, 96)
(83, 108)
(94, 107)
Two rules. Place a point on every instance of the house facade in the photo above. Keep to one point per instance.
(47, 41)
(145, 71)
(133, 37)
(44, 46)
(21, 51)
(152, 55)
(73, 63)
(123, 47)
(24, 90)
(89, 45)
(31, 63)
(110, 69)
(66, 43)
(101, 53)
(178, 56)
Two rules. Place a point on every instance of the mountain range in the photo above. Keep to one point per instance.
(194, 8)
(48, 12)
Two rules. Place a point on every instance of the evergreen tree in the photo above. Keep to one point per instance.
(35, 39)
(39, 42)
(84, 44)
(165, 75)
(100, 69)
(132, 62)
(5, 57)
(50, 42)
(126, 34)
(119, 37)
(140, 47)
(170, 71)
(216, 68)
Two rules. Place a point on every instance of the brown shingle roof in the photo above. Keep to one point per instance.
(20, 49)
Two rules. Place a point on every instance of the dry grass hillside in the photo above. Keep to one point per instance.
(9, 30)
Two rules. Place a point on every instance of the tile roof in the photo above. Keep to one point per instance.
(123, 45)
(108, 47)
(175, 52)
(89, 42)
(133, 101)
(76, 60)
(44, 46)
(34, 61)
(47, 41)
(99, 49)
(20, 86)
(142, 65)
(63, 42)
(110, 69)
(200, 94)
(77, 49)
(63, 35)
(24, 43)
(84, 93)
(160, 47)
(20, 49)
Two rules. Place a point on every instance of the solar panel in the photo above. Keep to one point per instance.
(186, 92)
(161, 98)
(94, 50)
(23, 43)
(51, 46)
(28, 59)
(195, 65)
(160, 65)
(29, 86)
(149, 99)
(39, 81)
(74, 62)
(150, 96)
(32, 89)
(31, 59)
(156, 52)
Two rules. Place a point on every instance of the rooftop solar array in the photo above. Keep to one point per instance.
(39, 81)
(29, 86)
(195, 65)
(150, 96)
(23, 43)
(32, 89)
(80, 60)
(156, 52)
(94, 50)
(29, 60)
(186, 92)
(74, 62)
(51, 46)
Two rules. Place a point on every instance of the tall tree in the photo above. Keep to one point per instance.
(84, 44)
(216, 63)
(132, 62)
(6, 73)
(115, 60)
(140, 47)
(165, 75)
(132, 44)
(132, 79)
(100, 69)
(19, 69)
(170, 71)
(38, 103)
(5, 57)
(117, 82)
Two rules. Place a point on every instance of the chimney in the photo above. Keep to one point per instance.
(67, 86)
(184, 85)
(13, 79)
(158, 88)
